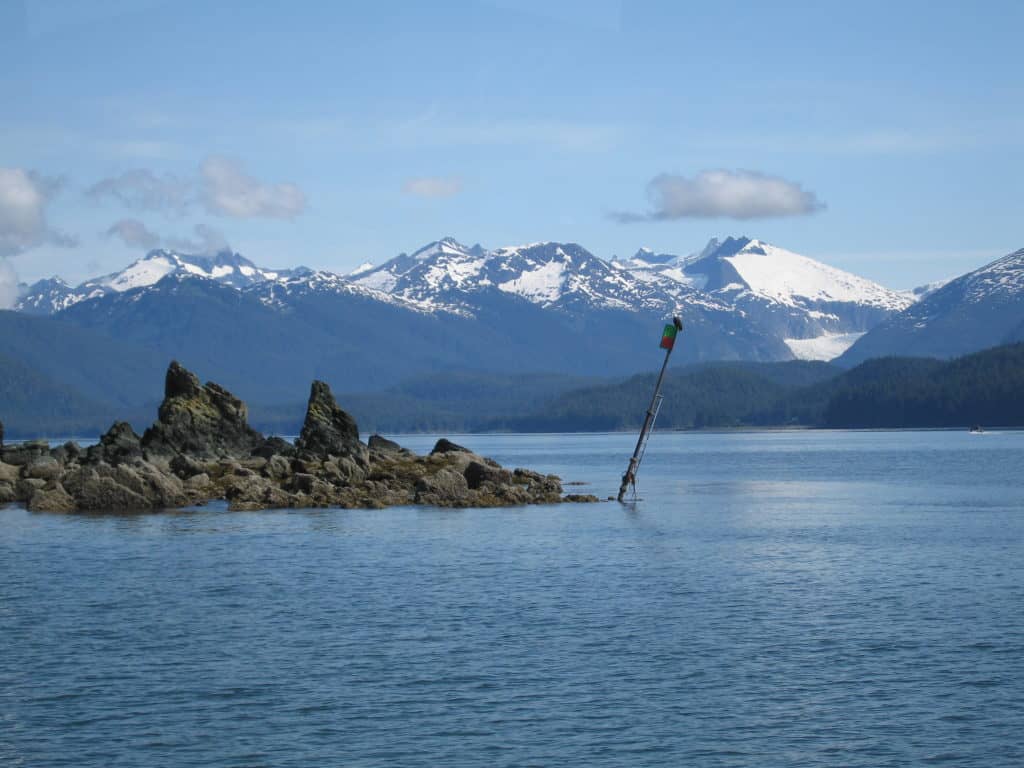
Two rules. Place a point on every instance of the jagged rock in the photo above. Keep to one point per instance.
(43, 468)
(201, 448)
(52, 498)
(446, 488)
(275, 446)
(328, 430)
(383, 445)
(69, 452)
(200, 421)
(120, 444)
(477, 474)
(447, 446)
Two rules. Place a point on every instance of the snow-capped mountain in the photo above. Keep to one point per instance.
(448, 276)
(981, 309)
(741, 298)
(765, 270)
(47, 297)
(818, 310)
(53, 295)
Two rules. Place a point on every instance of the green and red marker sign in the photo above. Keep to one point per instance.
(668, 336)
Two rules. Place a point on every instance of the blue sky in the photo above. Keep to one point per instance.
(884, 138)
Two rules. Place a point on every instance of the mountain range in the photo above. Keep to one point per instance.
(543, 308)
(741, 298)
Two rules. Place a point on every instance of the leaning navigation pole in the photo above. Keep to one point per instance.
(668, 341)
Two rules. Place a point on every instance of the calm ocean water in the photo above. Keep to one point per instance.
(775, 599)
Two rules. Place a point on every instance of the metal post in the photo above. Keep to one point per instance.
(634, 462)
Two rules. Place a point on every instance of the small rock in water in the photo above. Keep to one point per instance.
(447, 446)
(378, 443)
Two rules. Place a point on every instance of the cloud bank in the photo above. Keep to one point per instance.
(229, 191)
(143, 190)
(135, 234)
(8, 285)
(433, 187)
(723, 194)
(24, 196)
(207, 240)
(222, 188)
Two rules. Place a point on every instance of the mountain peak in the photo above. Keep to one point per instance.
(446, 245)
(728, 247)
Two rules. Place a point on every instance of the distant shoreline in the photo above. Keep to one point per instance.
(86, 442)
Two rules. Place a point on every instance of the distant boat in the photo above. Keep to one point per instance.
(977, 430)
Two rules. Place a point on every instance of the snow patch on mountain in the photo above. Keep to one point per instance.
(785, 277)
(145, 272)
(366, 266)
(543, 284)
(1003, 277)
(826, 347)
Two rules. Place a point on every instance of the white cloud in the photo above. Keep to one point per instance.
(724, 194)
(433, 186)
(143, 190)
(134, 234)
(24, 196)
(207, 241)
(222, 188)
(229, 191)
(8, 285)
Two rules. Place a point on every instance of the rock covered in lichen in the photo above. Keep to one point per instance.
(327, 429)
(201, 421)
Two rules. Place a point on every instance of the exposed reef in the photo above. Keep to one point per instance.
(202, 448)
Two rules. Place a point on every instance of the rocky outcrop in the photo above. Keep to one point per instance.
(201, 421)
(118, 446)
(202, 448)
(327, 429)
